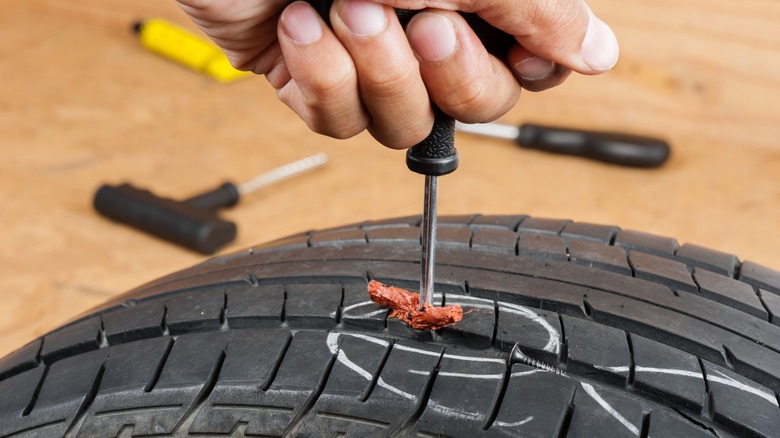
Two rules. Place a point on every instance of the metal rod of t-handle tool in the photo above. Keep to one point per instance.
(428, 260)
(433, 157)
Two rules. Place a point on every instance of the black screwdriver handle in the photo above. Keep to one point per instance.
(175, 221)
(226, 195)
(609, 147)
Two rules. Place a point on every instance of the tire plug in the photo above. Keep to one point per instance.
(609, 147)
(193, 222)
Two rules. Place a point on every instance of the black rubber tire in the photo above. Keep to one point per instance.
(572, 329)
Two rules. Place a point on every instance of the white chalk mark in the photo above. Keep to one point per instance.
(369, 314)
(463, 375)
(416, 350)
(454, 412)
(554, 341)
(341, 356)
(603, 403)
(474, 359)
(730, 381)
(391, 388)
(355, 306)
(514, 423)
(723, 379)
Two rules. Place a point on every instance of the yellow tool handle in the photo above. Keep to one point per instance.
(177, 44)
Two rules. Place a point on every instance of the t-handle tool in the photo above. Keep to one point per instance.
(433, 157)
(192, 222)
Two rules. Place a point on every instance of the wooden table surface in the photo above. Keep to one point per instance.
(81, 103)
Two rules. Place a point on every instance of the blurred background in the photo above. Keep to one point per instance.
(83, 103)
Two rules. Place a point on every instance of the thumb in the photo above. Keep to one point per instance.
(562, 31)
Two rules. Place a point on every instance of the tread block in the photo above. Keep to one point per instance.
(398, 390)
(18, 392)
(79, 337)
(188, 368)
(497, 240)
(195, 312)
(760, 276)
(588, 231)
(359, 311)
(132, 366)
(290, 242)
(600, 256)
(65, 387)
(709, 259)
(730, 292)
(251, 359)
(600, 411)
(543, 225)
(772, 303)
(596, 351)
(357, 361)
(646, 242)
(255, 306)
(539, 415)
(453, 237)
(463, 394)
(313, 305)
(131, 323)
(23, 359)
(742, 404)
(405, 221)
(476, 328)
(269, 412)
(542, 246)
(509, 222)
(670, 273)
(461, 220)
(538, 333)
(338, 238)
(408, 236)
(667, 423)
(668, 372)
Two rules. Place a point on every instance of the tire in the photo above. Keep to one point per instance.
(571, 330)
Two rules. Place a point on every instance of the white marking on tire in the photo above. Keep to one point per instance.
(607, 407)
(514, 423)
(554, 341)
(463, 375)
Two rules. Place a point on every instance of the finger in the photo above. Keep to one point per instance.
(535, 73)
(323, 88)
(245, 30)
(563, 31)
(389, 78)
(463, 79)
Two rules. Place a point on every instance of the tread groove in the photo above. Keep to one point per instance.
(203, 395)
(375, 378)
(707, 409)
(631, 361)
(158, 371)
(563, 348)
(36, 392)
(404, 427)
(644, 430)
(563, 431)
(295, 423)
(277, 365)
(770, 316)
(81, 413)
(493, 414)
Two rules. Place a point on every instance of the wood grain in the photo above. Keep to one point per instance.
(81, 103)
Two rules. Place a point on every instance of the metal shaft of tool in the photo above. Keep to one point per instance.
(428, 260)
(283, 172)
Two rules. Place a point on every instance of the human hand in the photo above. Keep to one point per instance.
(367, 72)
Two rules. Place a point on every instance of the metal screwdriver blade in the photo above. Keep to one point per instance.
(283, 172)
(428, 260)
(493, 129)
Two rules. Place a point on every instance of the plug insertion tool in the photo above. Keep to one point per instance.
(193, 222)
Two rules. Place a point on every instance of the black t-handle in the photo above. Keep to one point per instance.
(436, 154)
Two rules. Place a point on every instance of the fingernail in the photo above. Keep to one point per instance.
(301, 23)
(533, 68)
(363, 18)
(432, 37)
(599, 47)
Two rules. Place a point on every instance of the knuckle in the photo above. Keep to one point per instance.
(471, 100)
(552, 16)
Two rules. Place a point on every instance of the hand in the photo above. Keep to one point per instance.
(367, 72)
